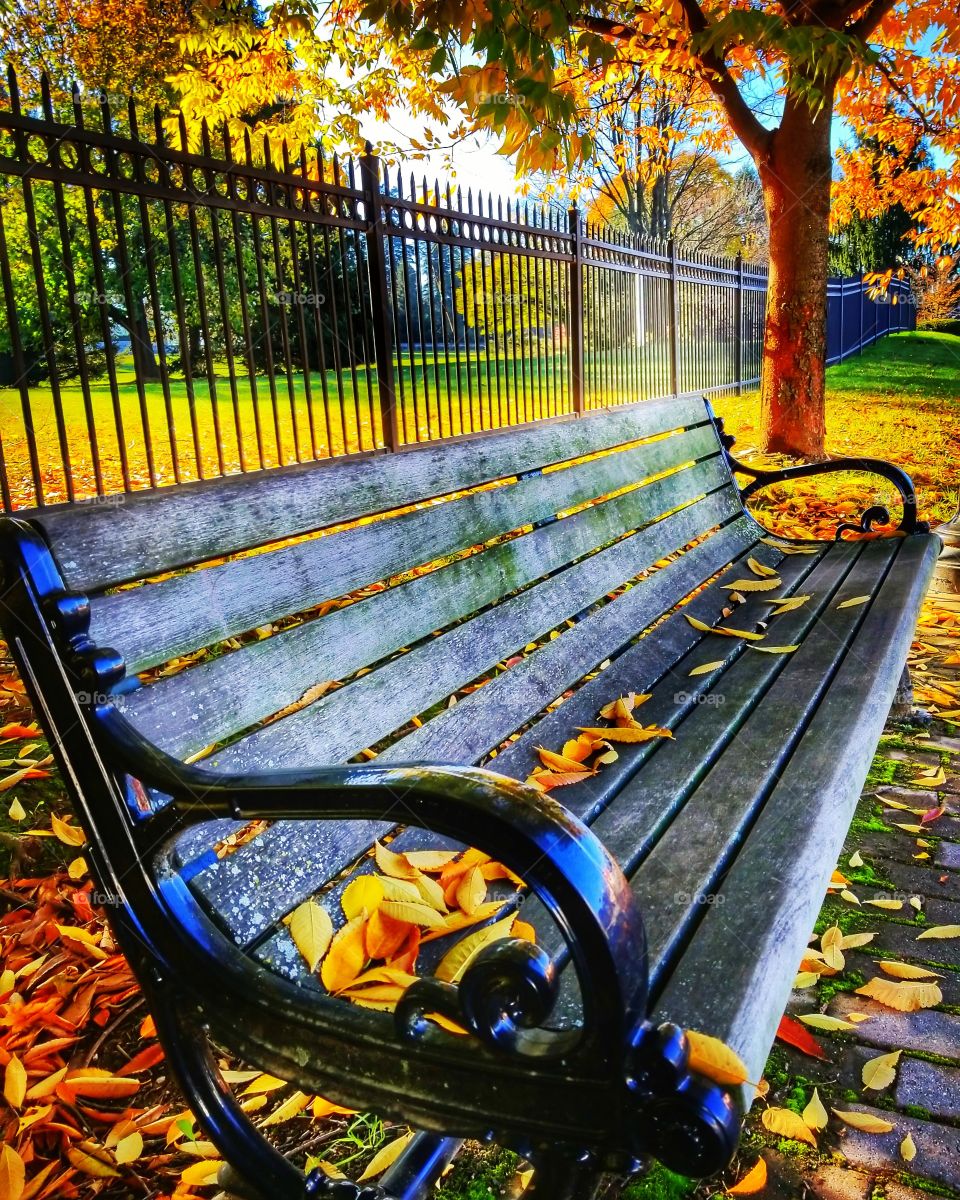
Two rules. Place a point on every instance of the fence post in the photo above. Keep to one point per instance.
(862, 294)
(576, 311)
(738, 324)
(674, 321)
(379, 297)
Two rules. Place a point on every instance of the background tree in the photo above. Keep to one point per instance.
(888, 68)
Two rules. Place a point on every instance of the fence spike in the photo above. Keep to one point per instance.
(14, 89)
(45, 99)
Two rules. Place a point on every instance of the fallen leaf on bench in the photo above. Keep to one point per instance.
(430, 860)
(758, 568)
(396, 866)
(800, 1038)
(786, 604)
(548, 780)
(622, 708)
(754, 1181)
(386, 1157)
(706, 668)
(889, 905)
(704, 628)
(881, 1071)
(754, 585)
(451, 967)
(361, 897)
(786, 1123)
(636, 733)
(713, 1058)
(902, 970)
(865, 1122)
(312, 931)
(940, 931)
(347, 956)
(558, 762)
(908, 1148)
(456, 921)
(472, 890)
(775, 649)
(815, 1116)
(822, 1021)
(853, 602)
(904, 997)
(415, 914)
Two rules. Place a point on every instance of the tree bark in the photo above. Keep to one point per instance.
(795, 173)
(141, 344)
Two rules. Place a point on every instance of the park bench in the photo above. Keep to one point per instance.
(674, 889)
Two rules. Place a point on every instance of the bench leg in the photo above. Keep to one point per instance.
(903, 710)
(558, 1177)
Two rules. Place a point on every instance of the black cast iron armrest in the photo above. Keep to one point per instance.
(876, 514)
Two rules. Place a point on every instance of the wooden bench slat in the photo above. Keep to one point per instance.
(224, 696)
(346, 721)
(155, 623)
(287, 847)
(755, 950)
(196, 522)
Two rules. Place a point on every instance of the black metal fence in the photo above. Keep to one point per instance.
(178, 311)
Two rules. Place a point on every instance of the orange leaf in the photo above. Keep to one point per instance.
(346, 957)
(385, 935)
(147, 1058)
(755, 1180)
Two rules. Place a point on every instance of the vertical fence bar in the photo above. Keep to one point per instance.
(674, 321)
(379, 298)
(738, 324)
(575, 312)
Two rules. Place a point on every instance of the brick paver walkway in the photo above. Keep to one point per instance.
(921, 868)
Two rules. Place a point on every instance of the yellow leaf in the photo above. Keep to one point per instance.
(822, 1021)
(902, 970)
(395, 865)
(472, 890)
(635, 733)
(455, 921)
(855, 859)
(430, 891)
(453, 964)
(849, 896)
(346, 957)
(77, 868)
(751, 637)
(908, 828)
(866, 1122)
(7, 982)
(881, 1071)
(14, 1082)
(754, 585)
(786, 604)
(904, 997)
(858, 1017)
(415, 914)
(557, 762)
(714, 1059)
(129, 1148)
(326, 1108)
(312, 931)
(940, 931)
(362, 896)
(775, 649)
(430, 860)
(853, 602)
(890, 905)
(853, 941)
(758, 568)
(93, 1160)
(12, 1174)
(786, 548)
(386, 1157)
(754, 1181)
(287, 1109)
(65, 832)
(202, 1174)
(830, 945)
(787, 1123)
(264, 1083)
(915, 902)
(99, 1084)
(908, 1148)
(706, 668)
(815, 1115)
(16, 811)
(806, 979)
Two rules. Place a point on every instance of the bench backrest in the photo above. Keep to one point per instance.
(310, 575)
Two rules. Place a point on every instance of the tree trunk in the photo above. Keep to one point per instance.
(795, 175)
(141, 344)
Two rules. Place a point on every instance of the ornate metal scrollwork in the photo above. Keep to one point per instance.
(876, 514)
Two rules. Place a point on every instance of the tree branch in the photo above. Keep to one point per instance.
(865, 24)
(754, 136)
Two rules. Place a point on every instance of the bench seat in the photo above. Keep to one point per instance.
(463, 605)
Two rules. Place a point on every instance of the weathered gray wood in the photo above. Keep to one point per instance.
(149, 625)
(351, 718)
(227, 695)
(773, 891)
(196, 522)
(354, 723)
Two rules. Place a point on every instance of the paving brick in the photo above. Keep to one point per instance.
(902, 942)
(831, 1182)
(928, 1031)
(915, 797)
(929, 1085)
(926, 758)
(894, 1190)
(909, 879)
(948, 855)
(938, 1146)
(940, 741)
(948, 981)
